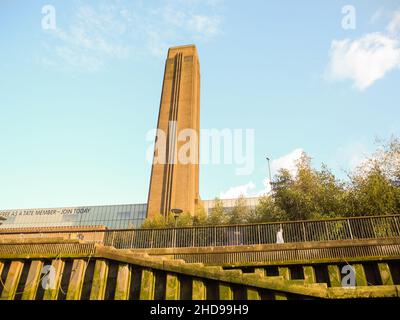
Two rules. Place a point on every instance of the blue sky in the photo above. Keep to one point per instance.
(76, 102)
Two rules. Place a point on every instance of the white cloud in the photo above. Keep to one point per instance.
(364, 60)
(175, 18)
(349, 156)
(367, 59)
(95, 35)
(377, 15)
(267, 188)
(236, 192)
(288, 162)
(394, 25)
(204, 25)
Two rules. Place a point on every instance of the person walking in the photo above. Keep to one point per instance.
(279, 236)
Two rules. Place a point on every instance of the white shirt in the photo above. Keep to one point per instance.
(279, 237)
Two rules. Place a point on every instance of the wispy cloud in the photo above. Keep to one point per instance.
(394, 26)
(349, 156)
(378, 15)
(204, 25)
(95, 35)
(249, 189)
(368, 58)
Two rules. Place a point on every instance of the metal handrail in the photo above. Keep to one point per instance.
(368, 227)
(9, 230)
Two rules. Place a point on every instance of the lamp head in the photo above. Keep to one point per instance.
(176, 212)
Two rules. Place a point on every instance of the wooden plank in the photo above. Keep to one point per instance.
(11, 283)
(123, 282)
(199, 290)
(76, 279)
(33, 280)
(99, 282)
(51, 293)
(334, 275)
(253, 294)
(280, 296)
(284, 272)
(309, 274)
(225, 292)
(385, 273)
(172, 288)
(147, 285)
(260, 271)
(1, 270)
(361, 278)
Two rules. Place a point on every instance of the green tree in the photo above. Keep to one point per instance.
(240, 213)
(155, 222)
(374, 187)
(387, 158)
(291, 193)
(200, 217)
(217, 215)
(267, 211)
(372, 193)
(329, 196)
(309, 194)
(183, 220)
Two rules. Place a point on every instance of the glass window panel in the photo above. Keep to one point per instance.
(95, 214)
(106, 213)
(102, 213)
(98, 213)
(113, 213)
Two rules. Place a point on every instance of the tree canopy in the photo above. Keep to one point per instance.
(373, 188)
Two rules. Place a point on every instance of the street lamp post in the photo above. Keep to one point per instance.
(269, 172)
(176, 212)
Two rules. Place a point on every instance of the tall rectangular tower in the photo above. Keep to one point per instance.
(174, 184)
